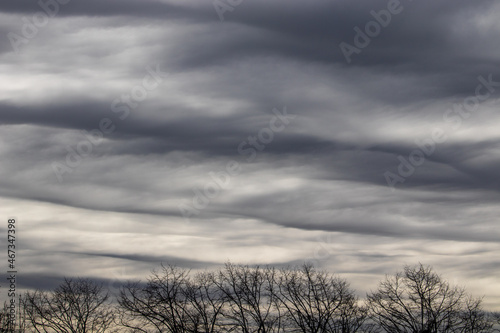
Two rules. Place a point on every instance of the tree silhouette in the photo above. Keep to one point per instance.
(172, 301)
(76, 306)
(245, 299)
(418, 300)
(251, 303)
(317, 302)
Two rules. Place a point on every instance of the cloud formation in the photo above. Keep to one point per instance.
(315, 191)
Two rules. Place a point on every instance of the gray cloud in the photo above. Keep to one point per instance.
(317, 187)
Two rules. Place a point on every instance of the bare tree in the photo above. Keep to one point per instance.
(318, 302)
(7, 318)
(251, 303)
(474, 318)
(13, 316)
(265, 300)
(352, 317)
(206, 302)
(418, 300)
(242, 299)
(158, 305)
(172, 301)
(495, 319)
(76, 306)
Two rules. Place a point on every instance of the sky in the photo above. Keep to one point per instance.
(359, 136)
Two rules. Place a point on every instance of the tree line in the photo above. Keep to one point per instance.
(244, 299)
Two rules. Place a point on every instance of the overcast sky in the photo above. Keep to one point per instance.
(359, 135)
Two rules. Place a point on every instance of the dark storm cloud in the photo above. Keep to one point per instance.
(171, 260)
(419, 39)
(206, 134)
(146, 9)
(296, 213)
(39, 281)
(82, 115)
